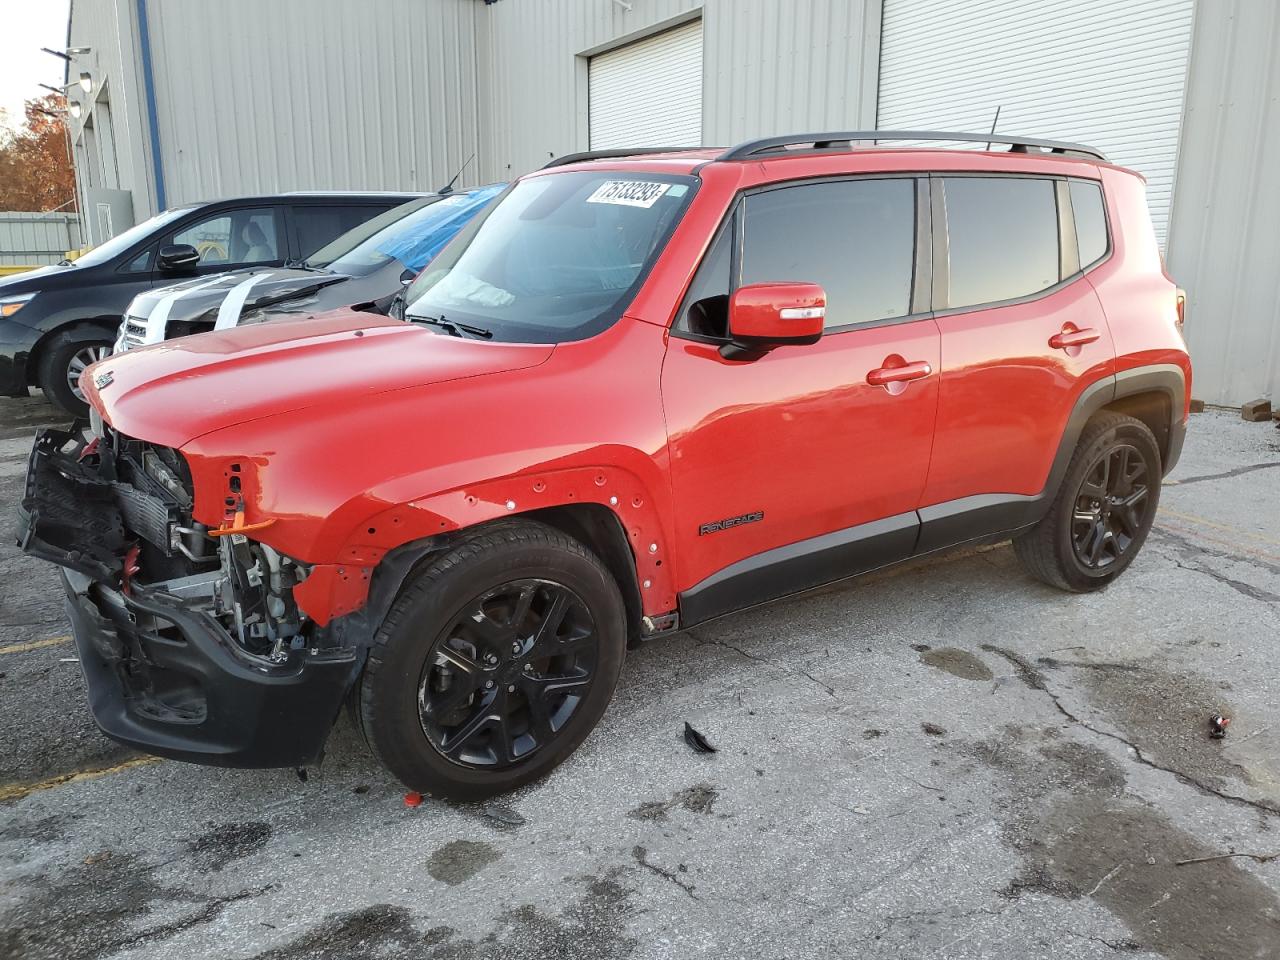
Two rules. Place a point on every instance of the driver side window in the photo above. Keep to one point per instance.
(239, 236)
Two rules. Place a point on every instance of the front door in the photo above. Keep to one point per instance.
(232, 239)
(807, 464)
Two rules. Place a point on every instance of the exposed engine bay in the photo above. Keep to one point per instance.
(118, 510)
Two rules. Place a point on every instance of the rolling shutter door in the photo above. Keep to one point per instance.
(648, 93)
(1107, 74)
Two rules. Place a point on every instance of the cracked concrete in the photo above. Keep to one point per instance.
(1068, 774)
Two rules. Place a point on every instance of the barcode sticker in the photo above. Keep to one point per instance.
(629, 193)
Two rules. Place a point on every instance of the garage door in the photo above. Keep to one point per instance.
(1095, 71)
(648, 93)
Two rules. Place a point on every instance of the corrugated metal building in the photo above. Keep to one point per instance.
(37, 238)
(192, 100)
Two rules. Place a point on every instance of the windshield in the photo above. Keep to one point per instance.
(411, 234)
(123, 241)
(558, 258)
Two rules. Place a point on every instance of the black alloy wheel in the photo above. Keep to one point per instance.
(1103, 509)
(497, 659)
(1111, 506)
(508, 673)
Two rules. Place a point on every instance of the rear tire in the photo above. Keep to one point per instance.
(1103, 511)
(62, 360)
(496, 661)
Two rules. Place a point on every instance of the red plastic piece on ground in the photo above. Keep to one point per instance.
(413, 799)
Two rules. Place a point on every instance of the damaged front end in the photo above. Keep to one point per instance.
(190, 640)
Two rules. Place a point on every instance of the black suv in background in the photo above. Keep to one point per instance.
(57, 320)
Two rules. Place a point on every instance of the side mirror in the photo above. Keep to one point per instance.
(176, 257)
(767, 315)
(407, 277)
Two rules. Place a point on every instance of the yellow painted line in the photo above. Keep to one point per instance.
(34, 645)
(16, 791)
(1204, 522)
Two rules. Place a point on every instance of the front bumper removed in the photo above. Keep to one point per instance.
(163, 674)
(167, 681)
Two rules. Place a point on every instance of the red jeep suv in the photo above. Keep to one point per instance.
(638, 392)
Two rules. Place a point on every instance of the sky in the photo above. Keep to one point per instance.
(28, 25)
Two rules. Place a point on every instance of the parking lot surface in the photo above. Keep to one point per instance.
(943, 760)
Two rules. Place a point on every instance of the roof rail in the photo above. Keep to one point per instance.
(751, 149)
(610, 154)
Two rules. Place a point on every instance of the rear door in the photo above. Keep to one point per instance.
(312, 225)
(791, 469)
(1023, 335)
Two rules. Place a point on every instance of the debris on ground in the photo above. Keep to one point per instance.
(696, 740)
(361, 789)
(1260, 857)
(1256, 410)
(1218, 726)
(1197, 406)
(413, 799)
(933, 730)
(502, 814)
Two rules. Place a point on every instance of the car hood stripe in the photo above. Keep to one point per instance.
(233, 304)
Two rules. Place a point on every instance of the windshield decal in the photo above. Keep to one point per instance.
(629, 193)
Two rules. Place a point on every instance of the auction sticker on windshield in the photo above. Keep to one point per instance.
(629, 193)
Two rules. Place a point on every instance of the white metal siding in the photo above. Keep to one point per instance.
(1223, 244)
(313, 95)
(1095, 71)
(768, 67)
(37, 238)
(648, 93)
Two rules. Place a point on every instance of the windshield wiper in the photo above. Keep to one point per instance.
(453, 327)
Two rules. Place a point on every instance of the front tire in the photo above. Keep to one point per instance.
(1103, 511)
(62, 361)
(496, 661)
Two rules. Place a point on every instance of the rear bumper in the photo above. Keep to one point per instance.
(168, 681)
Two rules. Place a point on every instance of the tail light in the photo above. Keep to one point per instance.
(1181, 302)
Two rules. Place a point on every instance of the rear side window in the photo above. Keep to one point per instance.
(1002, 234)
(854, 237)
(1091, 221)
(316, 226)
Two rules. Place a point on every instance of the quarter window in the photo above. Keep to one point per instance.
(141, 263)
(1002, 235)
(854, 237)
(1091, 221)
(708, 299)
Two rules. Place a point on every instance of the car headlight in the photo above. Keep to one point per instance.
(11, 305)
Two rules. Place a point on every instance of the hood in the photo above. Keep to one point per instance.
(200, 300)
(173, 392)
(30, 280)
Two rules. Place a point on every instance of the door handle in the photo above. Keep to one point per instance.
(883, 376)
(1073, 338)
